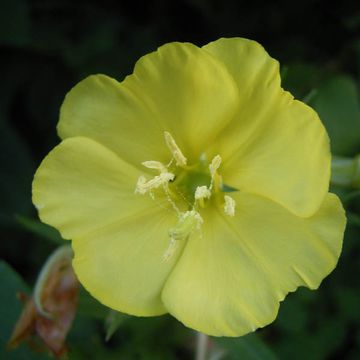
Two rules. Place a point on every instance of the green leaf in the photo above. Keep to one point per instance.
(38, 228)
(10, 306)
(292, 316)
(351, 196)
(249, 347)
(337, 103)
(301, 79)
(90, 307)
(348, 300)
(353, 219)
(10, 309)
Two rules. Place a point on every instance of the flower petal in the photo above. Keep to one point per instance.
(230, 281)
(276, 146)
(82, 186)
(119, 238)
(123, 265)
(179, 88)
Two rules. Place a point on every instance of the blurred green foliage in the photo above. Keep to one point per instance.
(47, 46)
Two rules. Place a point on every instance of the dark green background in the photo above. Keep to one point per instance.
(47, 46)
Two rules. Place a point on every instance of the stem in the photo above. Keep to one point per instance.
(201, 346)
(343, 171)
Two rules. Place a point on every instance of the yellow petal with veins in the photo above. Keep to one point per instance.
(179, 89)
(229, 281)
(275, 146)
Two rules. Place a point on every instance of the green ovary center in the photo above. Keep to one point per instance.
(187, 181)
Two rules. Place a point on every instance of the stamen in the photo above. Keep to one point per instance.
(213, 167)
(202, 192)
(170, 200)
(175, 150)
(140, 185)
(143, 186)
(215, 164)
(156, 165)
(229, 206)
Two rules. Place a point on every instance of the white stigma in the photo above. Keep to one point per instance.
(189, 221)
(175, 150)
(229, 206)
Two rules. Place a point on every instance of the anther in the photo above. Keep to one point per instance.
(156, 165)
(175, 150)
(229, 206)
(202, 192)
(213, 167)
(140, 185)
(143, 186)
(215, 164)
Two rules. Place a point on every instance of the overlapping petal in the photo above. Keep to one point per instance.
(275, 146)
(230, 281)
(123, 265)
(178, 88)
(82, 186)
(119, 238)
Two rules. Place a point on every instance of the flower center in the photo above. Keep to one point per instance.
(187, 182)
(188, 188)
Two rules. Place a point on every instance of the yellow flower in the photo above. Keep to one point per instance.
(197, 186)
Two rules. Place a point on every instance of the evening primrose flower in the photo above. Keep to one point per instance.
(197, 186)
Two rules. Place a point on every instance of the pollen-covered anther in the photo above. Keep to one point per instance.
(156, 165)
(143, 186)
(202, 192)
(213, 167)
(215, 164)
(229, 206)
(180, 159)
